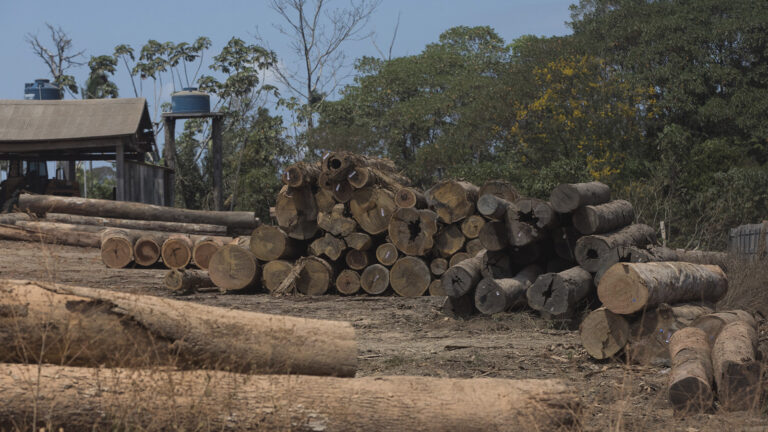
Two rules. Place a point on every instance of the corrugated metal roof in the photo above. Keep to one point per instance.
(56, 120)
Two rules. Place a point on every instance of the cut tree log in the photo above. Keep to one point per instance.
(546, 217)
(438, 266)
(147, 250)
(436, 288)
(457, 258)
(713, 323)
(342, 191)
(324, 200)
(348, 282)
(462, 278)
(493, 236)
(408, 197)
(301, 174)
(358, 260)
(143, 225)
(375, 279)
(184, 281)
(499, 295)
(453, 200)
(459, 307)
(296, 212)
(233, 268)
(493, 207)
(274, 273)
(338, 164)
(359, 241)
(690, 380)
(499, 188)
(528, 254)
(568, 197)
(372, 208)
(387, 254)
(497, 265)
(590, 249)
(736, 368)
(413, 231)
(472, 225)
(622, 254)
(335, 222)
(93, 399)
(630, 287)
(68, 238)
(269, 243)
(328, 245)
(41, 204)
(177, 251)
(117, 247)
(602, 218)
(474, 246)
(558, 294)
(661, 253)
(604, 333)
(204, 249)
(315, 277)
(564, 241)
(449, 240)
(360, 177)
(93, 327)
(410, 277)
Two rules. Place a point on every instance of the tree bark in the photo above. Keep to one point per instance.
(736, 368)
(499, 295)
(568, 197)
(335, 222)
(315, 278)
(130, 210)
(413, 231)
(184, 281)
(204, 249)
(93, 327)
(462, 278)
(375, 279)
(594, 219)
(453, 200)
(147, 250)
(117, 248)
(144, 225)
(274, 273)
(410, 277)
(233, 268)
(270, 243)
(590, 249)
(630, 287)
(372, 208)
(359, 241)
(328, 245)
(449, 240)
(408, 197)
(558, 294)
(81, 398)
(690, 380)
(387, 254)
(296, 212)
(301, 174)
(471, 226)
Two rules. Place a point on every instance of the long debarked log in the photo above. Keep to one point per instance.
(183, 281)
(737, 370)
(690, 380)
(463, 277)
(568, 197)
(89, 327)
(557, 294)
(604, 217)
(67, 238)
(498, 295)
(630, 287)
(116, 399)
(145, 225)
(131, 210)
(590, 249)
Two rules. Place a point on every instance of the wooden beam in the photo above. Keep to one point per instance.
(217, 165)
(120, 172)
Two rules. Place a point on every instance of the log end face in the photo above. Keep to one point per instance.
(604, 333)
(690, 395)
(620, 290)
(489, 298)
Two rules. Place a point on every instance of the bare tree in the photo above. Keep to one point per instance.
(388, 55)
(316, 34)
(60, 58)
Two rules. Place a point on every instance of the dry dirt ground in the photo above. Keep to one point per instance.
(399, 336)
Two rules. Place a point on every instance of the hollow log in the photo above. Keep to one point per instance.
(300, 174)
(131, 210)
(474, 246)
(375, 279)
(315, 277)
(144, 225)
(348, 282)
(410, 277)
(358, 260)
(233, 268)
(493, 236)
(630, 287)
(204, 249)
(147, 250)
(558, 294)
(338, 164)
(270, 243)
(360, 177)
(499, 295)
(177, 251)
(413, 231)
(183, 281)
(471, 226)
(296, 212)
(499, 188)
(408, 197)
(117, 248)
(453, 200)
(458, 257)
(493, 207)
(590, 249)
(359, 241)
(82, 398)
(602, 218)
(68, 238)
(713, 323)
(736, 368)
(328, 245)
(372, 208)
(497, 265)
(449, 240)
(604, 333)
(462, 278)
(568, 197)
(690, 380)
(386, 254)
(93, 327)
(273, 273)
(335, 222)
(438, 266)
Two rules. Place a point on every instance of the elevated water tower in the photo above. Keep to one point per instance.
(41, 89)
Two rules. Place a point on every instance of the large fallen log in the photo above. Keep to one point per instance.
(737, 370)
(93, 327)
(590, 249)
(630, 287)
(499, 295)
(144, 225)
(568, 197)
(690, 380)
(98, 399)
(67, 238)
(604, 217)
(558, 294)
(41, 204)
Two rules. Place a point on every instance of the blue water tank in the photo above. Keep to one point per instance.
(41, 89)
(190, 100)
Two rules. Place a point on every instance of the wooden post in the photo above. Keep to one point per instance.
(120, 172)
(216, 152)
(169, 154)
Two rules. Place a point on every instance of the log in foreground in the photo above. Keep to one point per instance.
(91, 327)
(116, 399)
(690, 380)
(130, 210)
(568, 197)
(590, 249)
(630, 287)
(737, 371)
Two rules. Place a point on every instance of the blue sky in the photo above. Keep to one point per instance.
(97, 27)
